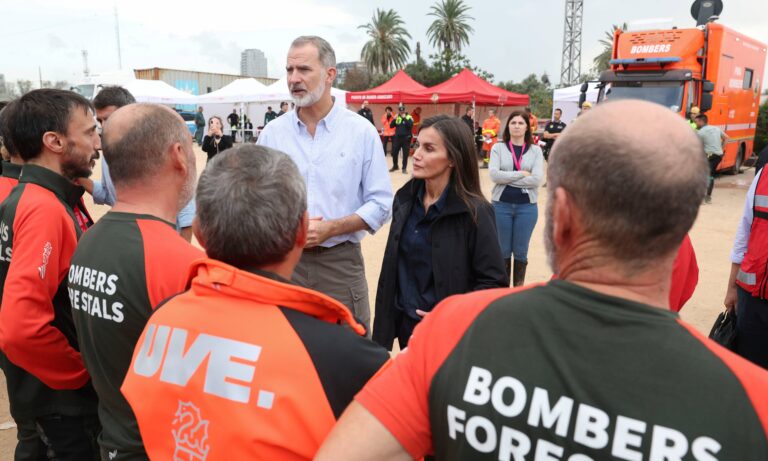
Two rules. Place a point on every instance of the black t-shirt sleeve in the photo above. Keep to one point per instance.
(344, 361)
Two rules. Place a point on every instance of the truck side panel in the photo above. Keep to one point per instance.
(735, 65)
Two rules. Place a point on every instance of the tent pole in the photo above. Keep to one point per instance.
(242, 125)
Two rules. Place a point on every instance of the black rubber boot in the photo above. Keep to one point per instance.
(519, 273)
(508, 268)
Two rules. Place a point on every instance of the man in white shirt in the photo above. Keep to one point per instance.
(339, 154)
(746, 290)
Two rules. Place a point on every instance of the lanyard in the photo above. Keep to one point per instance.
(514, 157)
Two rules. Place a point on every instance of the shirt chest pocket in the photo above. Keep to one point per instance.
(343, 172)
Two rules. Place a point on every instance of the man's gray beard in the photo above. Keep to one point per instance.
(312, 97)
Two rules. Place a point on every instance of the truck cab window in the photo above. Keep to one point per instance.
(668, 94)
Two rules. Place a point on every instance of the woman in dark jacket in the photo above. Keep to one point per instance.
(215, 141)
(442, 240)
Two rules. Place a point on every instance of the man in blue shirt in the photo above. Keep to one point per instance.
(108, 100)
(340, 156)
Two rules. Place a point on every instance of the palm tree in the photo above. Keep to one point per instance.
(450, 30)
(387, 48)
(601, 61)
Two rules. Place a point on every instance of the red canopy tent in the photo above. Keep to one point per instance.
(398, 89)
(466, 87)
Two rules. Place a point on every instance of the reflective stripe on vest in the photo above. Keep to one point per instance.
(761, 201)
(746, 278)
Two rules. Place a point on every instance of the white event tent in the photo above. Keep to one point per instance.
(158, 92)
(243, 95)
(567, 99)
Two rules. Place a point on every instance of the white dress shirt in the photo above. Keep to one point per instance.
(343, 166)
(745, 225)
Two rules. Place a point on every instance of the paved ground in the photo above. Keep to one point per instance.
(712, 237)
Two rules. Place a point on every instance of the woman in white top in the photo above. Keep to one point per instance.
(517, 168)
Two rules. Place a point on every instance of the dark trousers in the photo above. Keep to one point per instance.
(57, 437)
(404, 326)
(384, 141)
(713, 160)
(400, 143)
(752, 328)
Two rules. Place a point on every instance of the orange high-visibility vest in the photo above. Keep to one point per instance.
(388, 130)
(491, 127)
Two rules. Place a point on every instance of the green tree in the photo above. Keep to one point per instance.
(539, 89)
(450, 30)
(442, 69)
(356, 79)
(600, 63)
(761, 133)
(387, 49)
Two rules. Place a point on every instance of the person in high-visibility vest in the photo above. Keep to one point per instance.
(387, 132)
(746, 294)
(693, 113)
(491, 127)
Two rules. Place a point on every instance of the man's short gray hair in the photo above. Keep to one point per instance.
(250, 204)
(324, 49)
(134, 155)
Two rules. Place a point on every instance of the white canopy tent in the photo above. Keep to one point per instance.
(241, 90)
(158, 92)
(567, 99)
(241, 93)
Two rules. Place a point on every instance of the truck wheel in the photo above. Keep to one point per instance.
(739, 162)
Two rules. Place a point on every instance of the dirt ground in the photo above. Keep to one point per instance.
(712, 237)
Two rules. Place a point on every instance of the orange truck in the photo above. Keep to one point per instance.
(710, 66)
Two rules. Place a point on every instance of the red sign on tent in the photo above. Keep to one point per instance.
(398, 89)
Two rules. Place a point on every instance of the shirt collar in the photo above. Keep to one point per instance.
(11, 170)
(329, 121)
(56, 183)
(440, 203)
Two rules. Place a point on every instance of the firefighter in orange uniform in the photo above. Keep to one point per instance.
(491, 127)
(246, 364)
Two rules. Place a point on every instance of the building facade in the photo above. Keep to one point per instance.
(253, 63)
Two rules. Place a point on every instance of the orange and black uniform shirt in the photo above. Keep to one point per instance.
(41, 359)
(560, 372)
(9, 179)
(245, 366)
(123, 267)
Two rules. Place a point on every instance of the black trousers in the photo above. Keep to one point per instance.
(713, 160)
(404, 326)
(752, 328)
(384, 141)
(58, 437)
(401, 143)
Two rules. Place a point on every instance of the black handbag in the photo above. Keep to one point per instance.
(724, 330)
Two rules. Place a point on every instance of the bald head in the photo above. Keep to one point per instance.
(636, 173)
(137, 140)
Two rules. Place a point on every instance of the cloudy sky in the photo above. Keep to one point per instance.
(512, 38)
